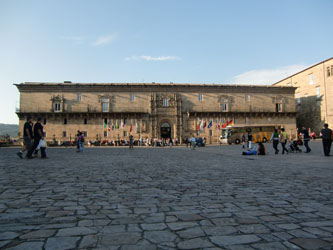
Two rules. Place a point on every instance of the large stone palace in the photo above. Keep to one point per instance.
(113, 111)
(314, 95)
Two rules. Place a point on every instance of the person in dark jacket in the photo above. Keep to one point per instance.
(326, 135)
(306, 139)
(27, 137)
(38, 135)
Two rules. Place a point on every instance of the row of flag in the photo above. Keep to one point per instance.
(112, 126)
(201, 124)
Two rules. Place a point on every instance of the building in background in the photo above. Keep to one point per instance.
(314, 95)
(113, 111)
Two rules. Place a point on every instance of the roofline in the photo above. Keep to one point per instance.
(303, 70)
(146, 84)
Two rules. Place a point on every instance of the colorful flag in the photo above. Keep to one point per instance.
(205, 124)
(131, 128)
(210, 124)
(231, 122)
(104, 123)
(201, 125)
(121, 124)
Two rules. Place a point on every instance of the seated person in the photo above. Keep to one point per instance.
(253, 151)
(261, 149)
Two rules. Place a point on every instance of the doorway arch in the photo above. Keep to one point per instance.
(165, 130)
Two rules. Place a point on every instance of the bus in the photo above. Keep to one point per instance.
(233, 134)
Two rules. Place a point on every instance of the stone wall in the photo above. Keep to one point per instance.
(314, 95)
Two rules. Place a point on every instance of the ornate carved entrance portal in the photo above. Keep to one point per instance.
(165, 130)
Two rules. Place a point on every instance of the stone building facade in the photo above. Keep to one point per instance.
(314, 95)
(113, 111)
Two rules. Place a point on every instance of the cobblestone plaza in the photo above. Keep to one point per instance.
(162, 198)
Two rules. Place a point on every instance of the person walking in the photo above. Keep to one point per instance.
(171, 143)
(275, 138)
(327, 136)
(131, 142)
(186, 142)
(243, 140)
(192, 140)
(306, 139)
(38, 135)
(283, 140)
(80, 142)
(27, 137)
(249, 140)
(77, 138)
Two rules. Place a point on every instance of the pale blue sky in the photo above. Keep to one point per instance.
(187, 41)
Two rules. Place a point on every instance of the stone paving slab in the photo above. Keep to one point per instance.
(162, 198)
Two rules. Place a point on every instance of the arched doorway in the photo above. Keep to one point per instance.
(165, 130)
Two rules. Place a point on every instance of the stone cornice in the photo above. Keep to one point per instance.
(150, 87)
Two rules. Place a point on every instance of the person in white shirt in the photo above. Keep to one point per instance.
(192, 140)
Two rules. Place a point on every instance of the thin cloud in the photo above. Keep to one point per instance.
(151, 58)
(76, 39)
(267, 76)
(102, 40)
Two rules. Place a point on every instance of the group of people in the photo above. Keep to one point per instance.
(33, 139)
(281, 137)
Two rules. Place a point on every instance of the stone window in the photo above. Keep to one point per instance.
(247, 98)
(85, 121)
(84, 133)
(57, 107)
(200, 97)
(105, 134)
(278, 107)
(224, 107)
(318, 91)
(165, 102)
(298, 98)
(105, 104)
(328, 71)
(311, 79)
(132, 97)
(65, 120)
(64, 134)
(44, 122)
(125, 133)
(79, 97)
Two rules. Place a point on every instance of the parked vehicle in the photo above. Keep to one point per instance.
(233, 134)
